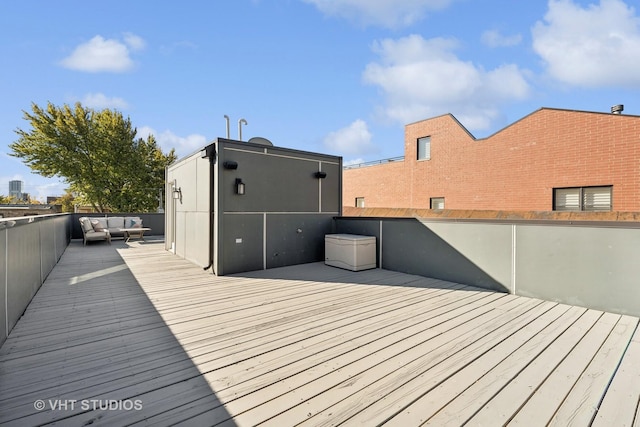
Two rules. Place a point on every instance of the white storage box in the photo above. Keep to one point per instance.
(350, 251)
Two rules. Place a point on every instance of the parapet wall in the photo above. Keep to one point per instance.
(586, 264)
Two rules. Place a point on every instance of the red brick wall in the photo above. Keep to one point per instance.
(514, 169)
(382, 185)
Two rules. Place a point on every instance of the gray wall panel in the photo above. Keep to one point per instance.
(241, 244)
(410, 246)
(288, 246)
(487, 247)
(197, 238)
(585, 266)
(23, 274)
(330, 201)
(273, 184)
(48, 258)
(63, 234)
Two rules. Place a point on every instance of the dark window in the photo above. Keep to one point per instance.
(582, 199)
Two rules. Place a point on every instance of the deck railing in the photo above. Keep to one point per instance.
(590, 264)
(29, 249)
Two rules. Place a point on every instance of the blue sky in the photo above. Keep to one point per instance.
(341, 77)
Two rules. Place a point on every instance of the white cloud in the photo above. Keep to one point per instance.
(353, 140)
(598, 45)
(47, 189)
(493, 38)
(100, 101)
(168, 140)
(178, 46)
(424, 78)
(385, 13)
(134, 42)
(100, 54)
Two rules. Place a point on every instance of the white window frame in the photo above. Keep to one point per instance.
(359, 202)
(436, 203)
(424, 148)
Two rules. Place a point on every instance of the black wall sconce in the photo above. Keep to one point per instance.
(230, 165)
(320, 175)
(239, 187)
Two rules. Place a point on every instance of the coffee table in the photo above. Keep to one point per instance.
(134, 232)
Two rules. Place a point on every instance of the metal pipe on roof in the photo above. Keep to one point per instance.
(240, 122)
(227, 119)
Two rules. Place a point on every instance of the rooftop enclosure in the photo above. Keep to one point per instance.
(591, 265)
(519, 168)
(241, 206)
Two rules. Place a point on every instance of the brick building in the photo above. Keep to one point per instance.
(552, 159)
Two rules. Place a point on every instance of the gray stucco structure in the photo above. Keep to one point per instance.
(289, 202)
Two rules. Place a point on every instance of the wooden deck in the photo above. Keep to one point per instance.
(148, 338)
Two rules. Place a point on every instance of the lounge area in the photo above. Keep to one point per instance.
(133, 324)
(109, 227)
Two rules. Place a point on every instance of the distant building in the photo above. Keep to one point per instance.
(550, 160)
(15, 189)
(17, 210)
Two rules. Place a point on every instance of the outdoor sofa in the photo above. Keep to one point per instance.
(105, 228)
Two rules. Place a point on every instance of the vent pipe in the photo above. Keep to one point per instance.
(240, 122)
(227, 119)
(617, 109)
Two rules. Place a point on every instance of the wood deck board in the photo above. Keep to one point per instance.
(620, 405)
(580, 406)
(504, 404)
(306, 344)
(440, 360)
(544, 401)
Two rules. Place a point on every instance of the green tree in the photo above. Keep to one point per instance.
(67, 200)
(13, 200)
(97, 154)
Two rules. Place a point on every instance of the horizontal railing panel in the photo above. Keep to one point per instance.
(30, 247)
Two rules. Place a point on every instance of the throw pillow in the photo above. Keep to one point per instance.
(99, 224)
(132, 222)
